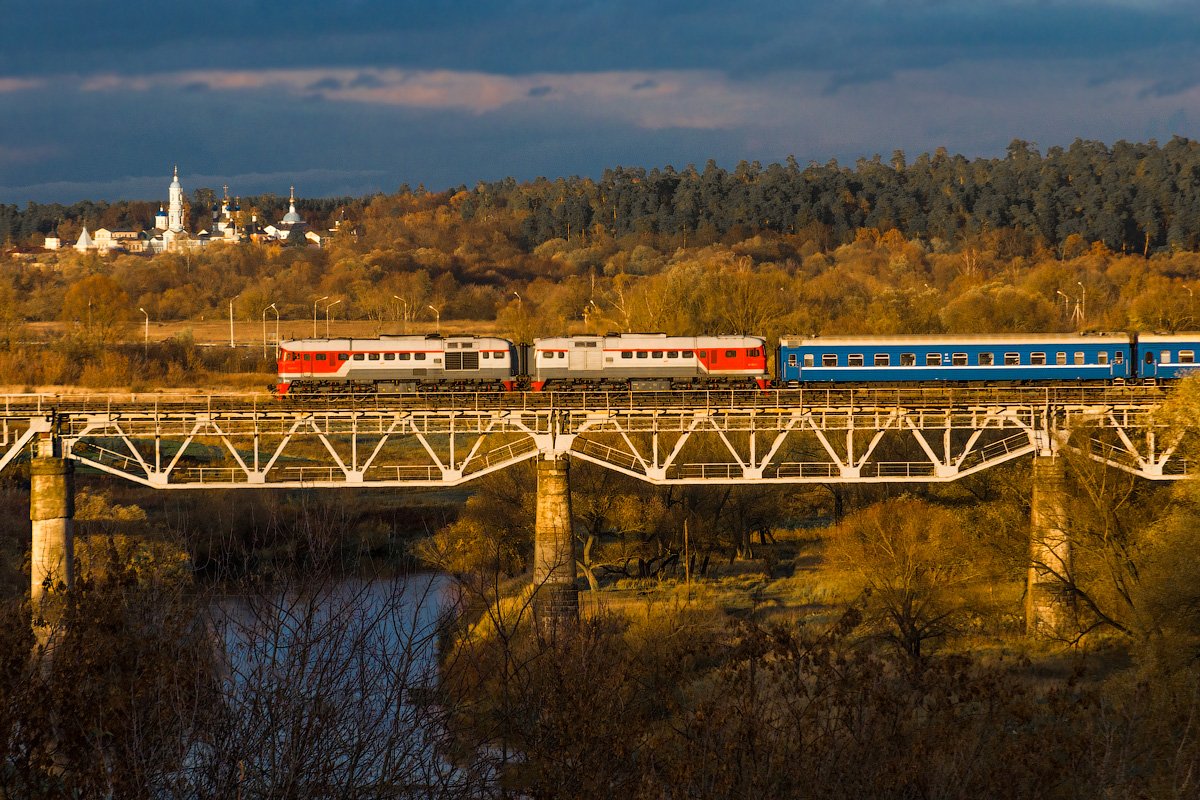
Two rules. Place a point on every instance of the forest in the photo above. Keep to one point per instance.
(825, 641)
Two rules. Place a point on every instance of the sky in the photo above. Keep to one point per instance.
(99, 101)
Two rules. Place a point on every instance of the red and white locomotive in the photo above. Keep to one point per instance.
(396, 363)
(637, 361)
(648, 361)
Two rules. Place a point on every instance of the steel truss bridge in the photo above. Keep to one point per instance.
(176, 441)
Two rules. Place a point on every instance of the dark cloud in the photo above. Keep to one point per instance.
(324, 83)
(854, 77)
(365, 80)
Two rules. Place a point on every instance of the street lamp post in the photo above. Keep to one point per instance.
(264, 327)
(146, 333)
(405, 302)
(1082, 303)
(231, 344)
(438, 315)
(315, 302)
(331, 305)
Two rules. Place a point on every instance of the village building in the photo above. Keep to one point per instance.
(170, 233)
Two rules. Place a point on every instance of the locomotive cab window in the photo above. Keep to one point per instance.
(829, 360)
(1060, 358)
(1037, 359)
(854, 360)
(933, 359)
(908, 359)
(1012, 359)
(882, 359)
(987, 359)
(1187, 356)
(1080, 358)
(958, 359)
(307, 356)
(754, 351)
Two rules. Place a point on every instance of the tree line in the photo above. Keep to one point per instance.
(1132, 197)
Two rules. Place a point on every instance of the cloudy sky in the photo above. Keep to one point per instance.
(99, 100)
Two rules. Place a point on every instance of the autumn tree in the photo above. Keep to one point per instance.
(99, 306)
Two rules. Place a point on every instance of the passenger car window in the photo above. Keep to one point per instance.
(1080, 358)
(389, 356)
(854, 360)
(359, 357)
(808, 359)
(1187, 356)
(418, 356)
(933, 359)
(642, 354)
(688, 354)
(987, 359)
(1060, 358)
(882, 359)
(1012, 359)
(958, 359)
(829, 360)
(372, 356)
(1037, 358)
(731, 353)
(1164, 357)
(1102, 358)
(908, 359)
(626, 354)
(657, 354)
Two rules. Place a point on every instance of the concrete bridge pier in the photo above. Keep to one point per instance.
(556, 596)
(1049, 606)
(52, 512)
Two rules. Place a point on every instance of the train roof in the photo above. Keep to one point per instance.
(926, 340)
(394, 341)
(657, 340)
(1183, 336)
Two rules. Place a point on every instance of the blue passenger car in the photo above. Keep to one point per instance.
(1167, 356)
(998, 357)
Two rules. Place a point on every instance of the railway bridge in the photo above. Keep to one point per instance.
(170, 441)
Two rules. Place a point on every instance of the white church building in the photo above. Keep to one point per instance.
(170, 232)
